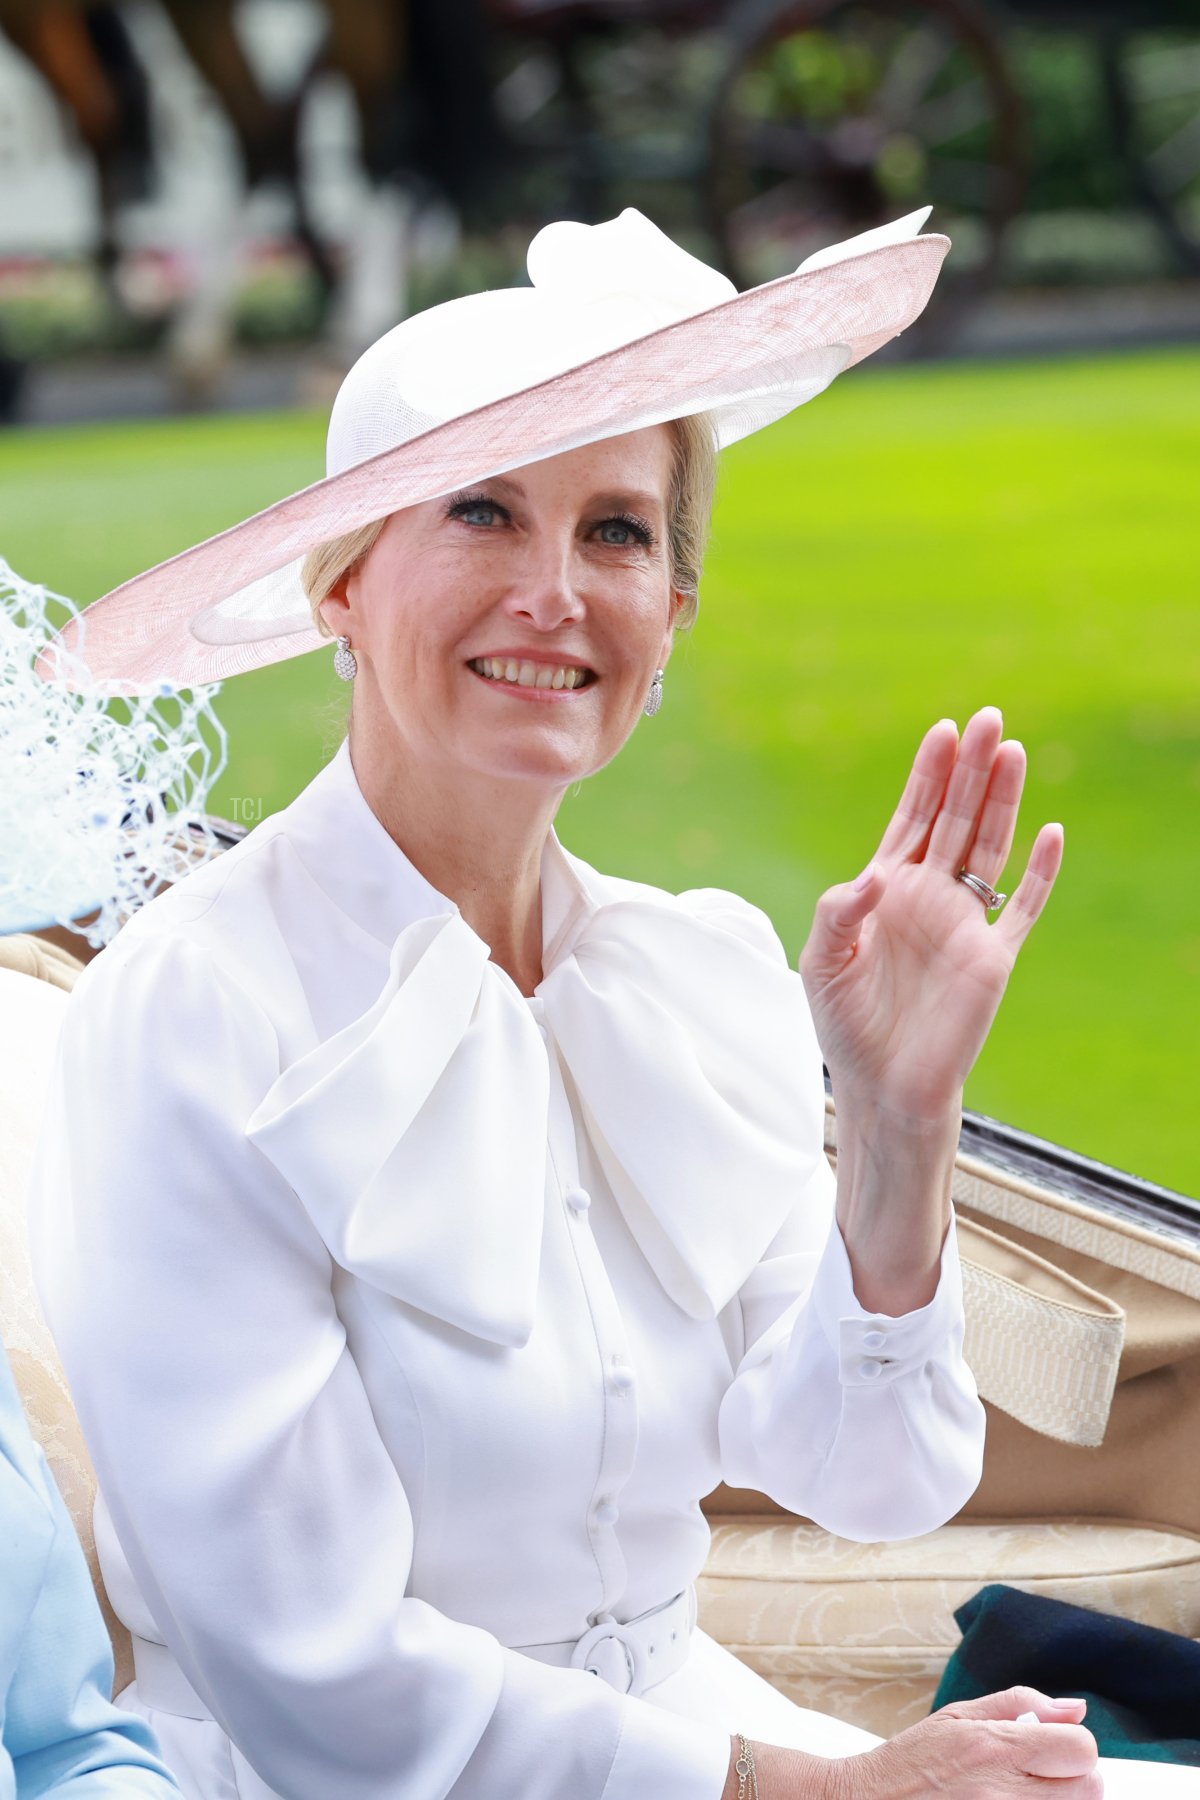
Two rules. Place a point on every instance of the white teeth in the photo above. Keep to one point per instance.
(527, 674)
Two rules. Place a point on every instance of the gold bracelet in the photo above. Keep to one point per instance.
(744, 1767)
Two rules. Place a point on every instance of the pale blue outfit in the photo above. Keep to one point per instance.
(59, 1732)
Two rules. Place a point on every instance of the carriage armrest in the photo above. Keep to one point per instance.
(864, 1631)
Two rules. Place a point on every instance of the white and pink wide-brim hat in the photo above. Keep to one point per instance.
(620, 329)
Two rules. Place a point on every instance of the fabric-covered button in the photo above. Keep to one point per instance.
(578, 1199)
(875, 1340)
(621, 1379)
(607, 1511)
(869, 1370)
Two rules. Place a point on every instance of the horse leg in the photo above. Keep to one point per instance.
(368, 45)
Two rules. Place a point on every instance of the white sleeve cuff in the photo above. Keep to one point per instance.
(664, 1754)
(562, 1731)
(873, 1348)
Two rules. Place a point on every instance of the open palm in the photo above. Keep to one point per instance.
(904, 973)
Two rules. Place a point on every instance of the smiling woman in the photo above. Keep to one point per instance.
(509, 1174)
(551, 587)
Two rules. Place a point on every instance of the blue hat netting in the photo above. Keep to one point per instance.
(101, 797)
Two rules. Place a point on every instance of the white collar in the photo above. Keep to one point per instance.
(356, 861)
(416, 1135)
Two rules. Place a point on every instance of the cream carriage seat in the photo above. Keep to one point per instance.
(1084, 1331)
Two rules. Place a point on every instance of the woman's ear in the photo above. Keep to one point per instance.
(678, 602)
(335, 607)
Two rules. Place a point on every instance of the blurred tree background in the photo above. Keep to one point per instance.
(1081, 221)
(942, 529)
(915, 543)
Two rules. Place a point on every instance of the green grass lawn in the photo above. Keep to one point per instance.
(915, 543)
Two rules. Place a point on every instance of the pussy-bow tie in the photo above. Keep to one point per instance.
(416, 1136)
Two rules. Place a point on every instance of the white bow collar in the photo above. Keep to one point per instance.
(416, 1135)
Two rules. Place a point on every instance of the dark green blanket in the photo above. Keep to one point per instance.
(1142, 1686)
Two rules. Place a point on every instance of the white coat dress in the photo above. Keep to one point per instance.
(409, 1319)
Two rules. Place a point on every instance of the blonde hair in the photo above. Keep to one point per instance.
(689, 514)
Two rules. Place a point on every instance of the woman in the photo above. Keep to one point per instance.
(59, 1732)
(441, 1218)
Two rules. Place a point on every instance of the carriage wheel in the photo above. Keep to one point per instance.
(833, 116)
(1152, 81)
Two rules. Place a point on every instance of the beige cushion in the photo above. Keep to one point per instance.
(47, 961)
(865, 1630)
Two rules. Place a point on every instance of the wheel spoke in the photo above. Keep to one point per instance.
(914, 68)
(952, 115)
(1175, 164)
(787, 205)
(1164, 74)
(778, 148)
(970, 184)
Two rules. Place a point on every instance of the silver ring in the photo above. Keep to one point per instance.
(991, 899)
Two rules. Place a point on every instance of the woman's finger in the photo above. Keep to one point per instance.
(909, 827)
(837, 922)
(988, 853)
(1023, 910)
(1015, 1704)
(1056, 1752)
(955, 824)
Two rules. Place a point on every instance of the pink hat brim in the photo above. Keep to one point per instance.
(749, 360)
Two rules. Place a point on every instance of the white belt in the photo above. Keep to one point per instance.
(632, 1658)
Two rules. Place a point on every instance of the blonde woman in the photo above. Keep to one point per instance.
(429, 1220)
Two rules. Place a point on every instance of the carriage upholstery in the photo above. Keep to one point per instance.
(1084, 1332)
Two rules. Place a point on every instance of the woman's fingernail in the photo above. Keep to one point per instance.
(1063, 1705)
(864, 880)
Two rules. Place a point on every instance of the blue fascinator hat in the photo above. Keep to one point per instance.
(101, 796)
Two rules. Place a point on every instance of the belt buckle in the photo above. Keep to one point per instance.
(608, 1651)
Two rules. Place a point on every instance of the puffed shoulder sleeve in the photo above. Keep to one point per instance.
(827, 1395)
(262, 1518)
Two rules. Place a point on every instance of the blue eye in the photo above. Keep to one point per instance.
(475, 509)
(622, 532)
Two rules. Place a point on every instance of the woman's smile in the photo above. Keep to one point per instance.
(532, 678)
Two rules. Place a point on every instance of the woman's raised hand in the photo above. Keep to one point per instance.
(904, 973)
(972, 1750)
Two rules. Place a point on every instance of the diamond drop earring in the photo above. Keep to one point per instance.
(345, 663)
(654, 697)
